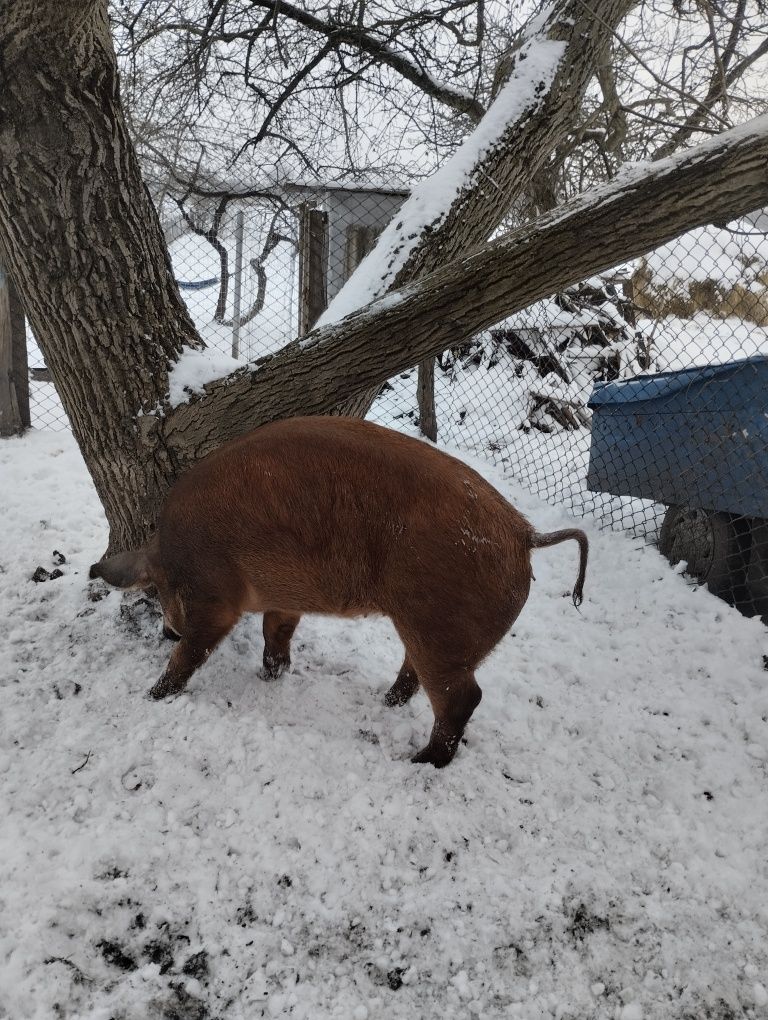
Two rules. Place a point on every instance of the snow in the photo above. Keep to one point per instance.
(596, 849)
(712, 253)
(195, 369)
(703, 340)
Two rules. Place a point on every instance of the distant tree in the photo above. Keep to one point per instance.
(254, 88)
(299, 90)
(680, 69)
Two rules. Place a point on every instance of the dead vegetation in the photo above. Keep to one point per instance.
(678, 294)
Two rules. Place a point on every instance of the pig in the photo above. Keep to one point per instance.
(340, 516)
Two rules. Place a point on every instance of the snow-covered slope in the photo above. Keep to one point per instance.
(597, 848)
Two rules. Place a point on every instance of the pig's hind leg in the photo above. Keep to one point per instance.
(454, 695)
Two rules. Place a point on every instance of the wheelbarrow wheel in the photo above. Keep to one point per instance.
(711, 545)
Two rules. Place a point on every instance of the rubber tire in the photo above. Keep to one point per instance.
(710, 543)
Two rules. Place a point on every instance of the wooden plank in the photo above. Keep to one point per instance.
(19, 363)
(10, 417)
(360, 240)
(313, 266)
(425, 398)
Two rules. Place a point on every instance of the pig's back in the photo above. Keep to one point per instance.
(347, 516)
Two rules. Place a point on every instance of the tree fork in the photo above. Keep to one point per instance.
(83, 243)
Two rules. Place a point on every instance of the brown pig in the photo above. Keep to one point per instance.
(343, 517)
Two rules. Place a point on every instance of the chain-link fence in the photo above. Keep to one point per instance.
(637, 398)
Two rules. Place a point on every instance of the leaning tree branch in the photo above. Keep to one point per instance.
(510, 150)
(723, 178)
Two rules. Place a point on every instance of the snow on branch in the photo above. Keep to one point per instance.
(431, 200)
(461, 204)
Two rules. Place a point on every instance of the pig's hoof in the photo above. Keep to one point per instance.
(398, 695)
(163, 689)
(439, 756)
(273, 669)
(402, 690)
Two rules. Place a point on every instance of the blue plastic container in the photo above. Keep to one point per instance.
(696, 438)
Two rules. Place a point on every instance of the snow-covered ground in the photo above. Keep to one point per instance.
(596, 850)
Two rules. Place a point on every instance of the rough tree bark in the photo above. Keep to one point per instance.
(83, 241)
(10, 415)
(20, 364)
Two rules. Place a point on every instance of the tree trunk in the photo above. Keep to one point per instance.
(10, 419)
(19, 361)
(84, 244)
(86, 251)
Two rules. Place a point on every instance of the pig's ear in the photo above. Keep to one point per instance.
(125, 570)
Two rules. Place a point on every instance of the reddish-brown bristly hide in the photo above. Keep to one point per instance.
(343, 517)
